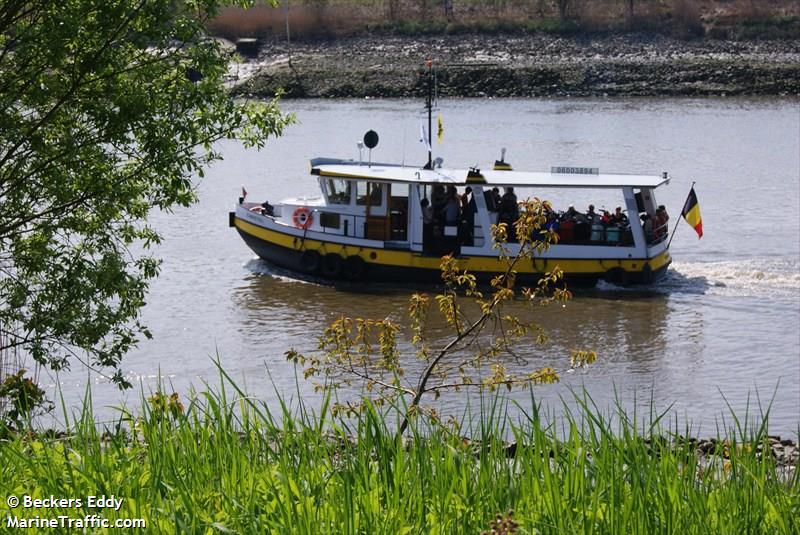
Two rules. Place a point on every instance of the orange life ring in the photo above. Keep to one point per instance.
(302, 218)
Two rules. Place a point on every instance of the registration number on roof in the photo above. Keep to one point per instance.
(575, 170)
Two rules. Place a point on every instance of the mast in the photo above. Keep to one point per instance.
(429, 107)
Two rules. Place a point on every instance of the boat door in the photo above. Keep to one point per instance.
(373, 195)
(398, 212)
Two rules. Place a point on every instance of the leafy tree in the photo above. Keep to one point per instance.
(482, 352)
(21, 400)
(108, 108)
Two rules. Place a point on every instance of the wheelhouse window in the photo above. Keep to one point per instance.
(369, 193)
(338, 191)
(399, 191)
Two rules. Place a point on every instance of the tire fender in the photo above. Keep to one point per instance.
(332, 264)
(354, 267)
(310, 261)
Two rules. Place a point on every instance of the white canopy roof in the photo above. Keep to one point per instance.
(379, 172)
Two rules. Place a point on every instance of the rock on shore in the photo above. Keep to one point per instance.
(524, 65)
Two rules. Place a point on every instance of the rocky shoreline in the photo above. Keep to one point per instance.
(712, 453)
(524, 65)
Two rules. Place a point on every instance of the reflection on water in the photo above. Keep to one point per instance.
(628, 329)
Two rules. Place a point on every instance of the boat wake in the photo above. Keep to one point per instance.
(778, 278)
(258, 266)
(751, 277)
(744, 278)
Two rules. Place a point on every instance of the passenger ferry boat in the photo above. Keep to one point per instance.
(369, 223)
(378, 222)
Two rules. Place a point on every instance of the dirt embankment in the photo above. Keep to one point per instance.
(522, 66)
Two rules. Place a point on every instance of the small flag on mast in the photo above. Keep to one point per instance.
(440, 131)
(691, 213)
(423, 135)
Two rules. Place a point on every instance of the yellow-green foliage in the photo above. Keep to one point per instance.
(480, 354)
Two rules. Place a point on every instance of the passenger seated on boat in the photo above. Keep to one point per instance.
(552, 222)
(591, 215)
(664, 214)
(466, 197)
(508, 204)
(509, 212)
(492, 203)
(571, 214)
(647, 226)
(497, 197)
(660, 223)
(583, 229)
(619, 218)
(427, 212)
(428, 224)
(468, 209)
(438, 199)
(605, 220)
(264, 208)
(567, 231)
(452, 210)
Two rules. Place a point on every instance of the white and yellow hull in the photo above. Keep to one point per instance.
(315, 254)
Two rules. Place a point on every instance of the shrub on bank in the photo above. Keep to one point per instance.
(223, 462)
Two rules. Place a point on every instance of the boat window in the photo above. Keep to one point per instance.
(338, 191)
(399, 190)
(371, 190)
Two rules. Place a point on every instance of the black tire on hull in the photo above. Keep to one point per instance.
(354, 268)
(331, 267)
(617, 276)
(310, 261)
(647, 274)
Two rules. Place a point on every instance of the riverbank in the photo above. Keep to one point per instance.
(521, 65)
(226, 462)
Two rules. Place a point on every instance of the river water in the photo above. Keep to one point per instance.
(724, 327)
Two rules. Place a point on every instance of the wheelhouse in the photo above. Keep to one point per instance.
(385, 203)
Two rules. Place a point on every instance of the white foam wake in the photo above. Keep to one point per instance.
(261, 267)
(772, 277)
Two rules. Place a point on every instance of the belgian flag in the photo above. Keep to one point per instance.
(691, 213)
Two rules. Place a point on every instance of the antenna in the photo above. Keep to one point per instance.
(403, 161)
(371, 141)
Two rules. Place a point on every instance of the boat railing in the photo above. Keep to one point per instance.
(584, 232)
(261, 208)
(659, 234)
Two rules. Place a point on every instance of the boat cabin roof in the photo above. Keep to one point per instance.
(563, 177)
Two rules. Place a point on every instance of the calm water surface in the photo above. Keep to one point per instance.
(723, 326)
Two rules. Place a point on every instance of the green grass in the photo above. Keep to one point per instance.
(228, 463)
